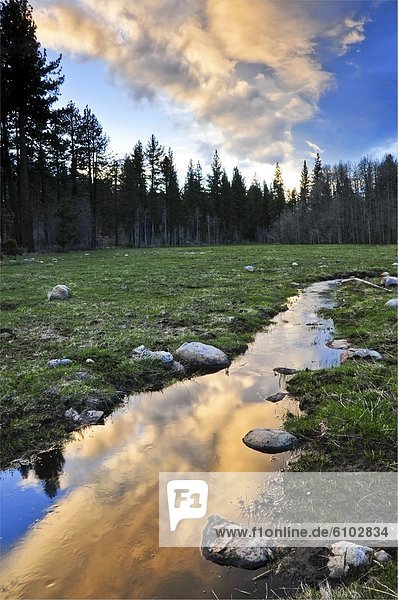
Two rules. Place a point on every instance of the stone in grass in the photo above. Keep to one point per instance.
(348, 558)
(277, 397)
(389, 280)
(393, 303)
(270, 441)
(284, 371)
(236, 552)
(249, 268)
(177, 368)
(363, 353)
(59, 362)
(382, 556)
(142, 352)
(202, 356)
(338, 344)
(59, 292)
(86, 417)
(165, 358)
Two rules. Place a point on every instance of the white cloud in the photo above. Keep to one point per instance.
(348, 32)
(246, 69)
(315, 149)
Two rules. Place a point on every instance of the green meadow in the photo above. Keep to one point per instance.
(124, 297)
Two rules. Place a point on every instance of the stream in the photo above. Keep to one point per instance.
(84, 522)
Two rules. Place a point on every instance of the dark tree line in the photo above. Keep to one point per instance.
(62, 188)
(346, 203)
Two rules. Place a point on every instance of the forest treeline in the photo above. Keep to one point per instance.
(61, 187)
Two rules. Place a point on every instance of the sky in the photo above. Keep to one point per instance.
(261, 81)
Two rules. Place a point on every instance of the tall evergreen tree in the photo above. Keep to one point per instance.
(93, 148)
(304, 194)
(213, 195)
(265, 212)
(72, 121)
(252, 210)
(238, 203)
(278, 194)
(172, 216)
(29, 87)
(223, 209)
(194, 201)
(154, 154)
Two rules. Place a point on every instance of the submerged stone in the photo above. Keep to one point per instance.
(202, 356)
(284, 370)
(277, 397)
(270, 441)
(236, 552)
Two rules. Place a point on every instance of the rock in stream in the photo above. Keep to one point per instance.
(270, 441)
(237, 552)
(202, 356)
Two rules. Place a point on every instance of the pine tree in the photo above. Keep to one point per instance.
(72, 121)
(93, 146)
(223, 209)
(134, 196)
(304, 194)
(194, 201)
(252, 210)
(172, 216)
(238, 203)
(154, 154)
(265, 212)
(213, 195)
(29, 88)
(278, 195)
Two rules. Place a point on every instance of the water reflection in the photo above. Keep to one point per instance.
(48, 468)
(101, 540)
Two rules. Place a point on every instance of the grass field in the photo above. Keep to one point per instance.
(122, 298)
(350, 412)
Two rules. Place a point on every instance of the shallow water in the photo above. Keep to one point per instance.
(83, 524)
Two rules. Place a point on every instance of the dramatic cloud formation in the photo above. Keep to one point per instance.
(249, 69)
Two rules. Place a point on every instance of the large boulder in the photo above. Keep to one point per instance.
(59, 292)
(236, 552)
(202, 356)
(270, 441)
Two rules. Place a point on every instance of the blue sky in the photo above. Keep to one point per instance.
(260, 80)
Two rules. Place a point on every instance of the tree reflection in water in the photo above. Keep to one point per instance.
(48, 468)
